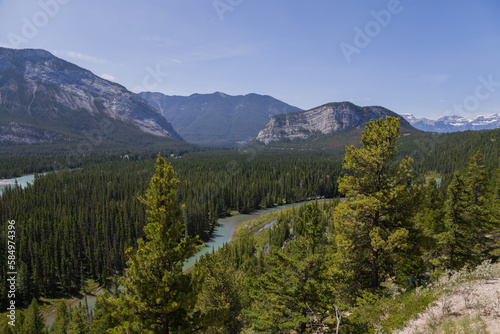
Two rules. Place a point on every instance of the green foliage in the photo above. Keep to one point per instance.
(77, 224)
(374, 231)
(158, 296)
(223, 293)
(495, 200)
(33, 322)
(469, 220)
(294, 293)
(103, 319)
(386, 313)
(79, 323)
(61, 322)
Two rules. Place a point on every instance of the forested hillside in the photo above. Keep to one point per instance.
(77, 224)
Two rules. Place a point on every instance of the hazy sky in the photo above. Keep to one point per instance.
(430, 58)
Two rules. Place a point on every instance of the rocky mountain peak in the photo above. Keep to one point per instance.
(454, 123)
(35, 85)
(218, 118)
(324, 119)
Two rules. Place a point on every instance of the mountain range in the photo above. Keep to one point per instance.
(326, 119)
(454, 123)
(218, 118)
(44, 99)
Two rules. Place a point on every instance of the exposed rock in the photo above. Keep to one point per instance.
(324, 119)
(455, 123)
(35, 85)
(218, 118)
(26, 134)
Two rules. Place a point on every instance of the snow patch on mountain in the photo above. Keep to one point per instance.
(455, 123)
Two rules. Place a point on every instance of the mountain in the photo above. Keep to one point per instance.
(326, 119)
(455, 123)
(218, 118)
(44, 99)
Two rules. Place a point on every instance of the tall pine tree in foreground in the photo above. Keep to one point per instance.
(33, 321)
(158, 296)
(295, 294)
(61, 322)
(469, 218)
(373, 227)
(223, 294)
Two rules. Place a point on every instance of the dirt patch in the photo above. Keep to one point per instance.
(471, 307)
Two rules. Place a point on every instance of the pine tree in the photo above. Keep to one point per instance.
(222, 294)
(79, 323)
(60, 325)
(468, 219)
(373, 227)
(33, 322)
(431, 221)
(24, 285)
(158, 296)
(495, 201)
(296, 292)
(103, 315)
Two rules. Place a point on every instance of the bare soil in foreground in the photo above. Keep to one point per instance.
(467, 307)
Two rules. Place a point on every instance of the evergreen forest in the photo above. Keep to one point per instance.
(134, 218)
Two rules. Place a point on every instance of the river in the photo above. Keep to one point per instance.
(222, 234)
(23, 181)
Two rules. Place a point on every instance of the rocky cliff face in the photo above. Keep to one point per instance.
(324, 119)
(44, 98)
(218, 118)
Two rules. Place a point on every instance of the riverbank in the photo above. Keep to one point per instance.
(258, 226)
(223, 234)
(22, 181)
(228, 225)
(50, 315)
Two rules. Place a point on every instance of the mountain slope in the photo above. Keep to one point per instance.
(454, 123)
(326, 119)
(218, 118)
(45, 99)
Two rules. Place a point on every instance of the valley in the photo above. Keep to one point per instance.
(145, 191)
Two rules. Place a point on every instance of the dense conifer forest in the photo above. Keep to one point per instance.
(76, 224)
(84, 221)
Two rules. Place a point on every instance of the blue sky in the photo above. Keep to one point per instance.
(430, 58)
